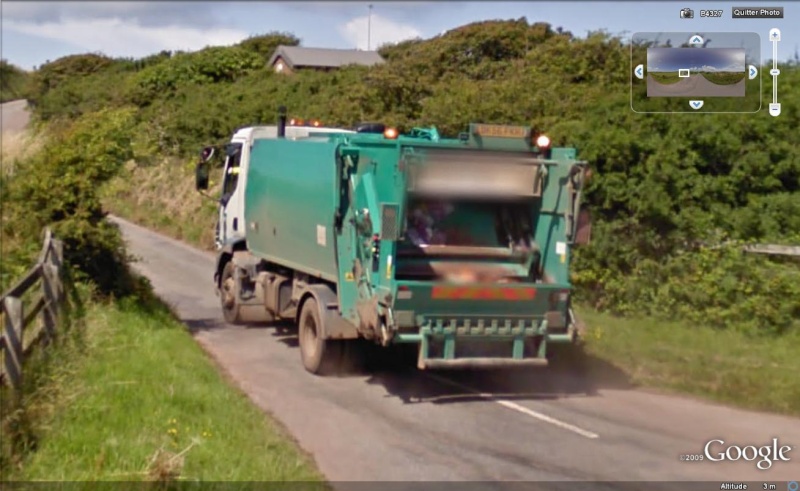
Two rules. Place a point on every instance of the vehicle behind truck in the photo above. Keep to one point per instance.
(459, 246)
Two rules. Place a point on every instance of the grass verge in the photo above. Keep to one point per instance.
(665, 77)
(724, 78)
(730, 367)
(134, 398)
(16, 146)
(162, 197)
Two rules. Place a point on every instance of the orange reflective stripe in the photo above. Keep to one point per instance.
(479, 293)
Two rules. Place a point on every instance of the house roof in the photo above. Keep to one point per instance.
(296, 57)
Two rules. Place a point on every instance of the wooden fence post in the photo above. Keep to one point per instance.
(50, 287)
(54, 310)
(58, 257)
(13, 336)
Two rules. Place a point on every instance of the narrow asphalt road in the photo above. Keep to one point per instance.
(14, 116)
(406, 425)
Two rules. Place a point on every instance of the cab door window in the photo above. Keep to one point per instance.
(232, 168)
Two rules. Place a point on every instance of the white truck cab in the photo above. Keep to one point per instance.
(230, 223)
(230, 236)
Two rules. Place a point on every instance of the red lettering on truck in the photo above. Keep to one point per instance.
(481, 293)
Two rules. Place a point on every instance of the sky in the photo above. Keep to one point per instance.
(36, 32)
(695, 59)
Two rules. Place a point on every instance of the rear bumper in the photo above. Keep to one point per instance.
(516, 340)
(482, 363)
(564, 338)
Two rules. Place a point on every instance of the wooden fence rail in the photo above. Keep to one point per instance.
(767, 249)
(773, 250)
(21, 330)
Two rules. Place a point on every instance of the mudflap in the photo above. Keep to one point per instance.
(578, 325)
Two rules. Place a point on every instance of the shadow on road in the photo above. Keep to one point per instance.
(286, 333)
(572, 373)
(215, 324)
(197, 325)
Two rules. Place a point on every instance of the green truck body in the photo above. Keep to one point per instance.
(460, 246)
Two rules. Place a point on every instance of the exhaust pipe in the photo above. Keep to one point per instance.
(282, 122)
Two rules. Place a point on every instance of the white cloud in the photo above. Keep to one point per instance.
(115, 37)
(704, 68)
(383, 31)
(403, 9)
(143, 13)
(733, 67)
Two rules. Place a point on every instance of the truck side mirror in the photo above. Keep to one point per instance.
(583, 229)
(201, 176)
(207, 154)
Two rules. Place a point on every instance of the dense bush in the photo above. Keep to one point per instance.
(59, 188)
(663, 186)
(266, 44)
(13, 82)
(211, 65)
(53, 75)
(719, 287)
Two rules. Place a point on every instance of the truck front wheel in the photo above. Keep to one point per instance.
(320, 356)
(231, 309)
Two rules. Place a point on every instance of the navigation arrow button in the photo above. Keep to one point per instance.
(753, 73)
(639, 72)
(696, 104)
(696, 39)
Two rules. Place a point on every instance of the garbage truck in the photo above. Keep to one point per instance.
(459, 247)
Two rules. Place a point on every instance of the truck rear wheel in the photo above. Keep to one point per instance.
(231, 309)
(320, 356)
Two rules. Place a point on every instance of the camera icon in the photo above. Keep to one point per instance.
(687, 14)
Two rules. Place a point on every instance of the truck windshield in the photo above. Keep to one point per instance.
(467, 223)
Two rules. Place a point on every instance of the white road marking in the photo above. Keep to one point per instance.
(516, 407)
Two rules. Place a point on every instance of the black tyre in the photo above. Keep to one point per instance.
(231, 309)
(320, 356)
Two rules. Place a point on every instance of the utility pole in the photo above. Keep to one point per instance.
(369, 28)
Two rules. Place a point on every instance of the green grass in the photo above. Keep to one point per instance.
(720, 78)
(142, 401)
(724, 78)
(13, 81)
(726, 366)
(665, 77)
